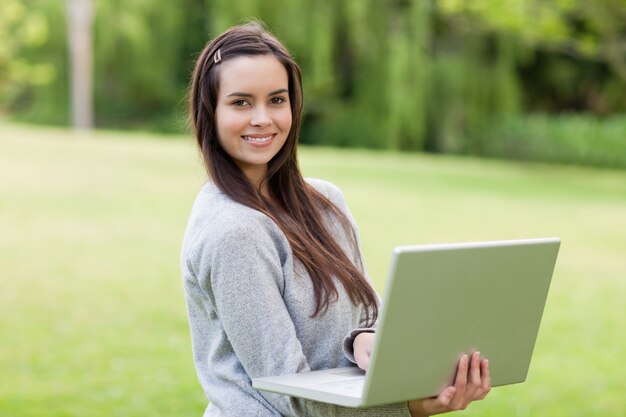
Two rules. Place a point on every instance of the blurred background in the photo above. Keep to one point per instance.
(440, 120)
(524, 79)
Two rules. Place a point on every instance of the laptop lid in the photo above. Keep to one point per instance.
(448, 299)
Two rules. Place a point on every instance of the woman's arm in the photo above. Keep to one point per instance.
(246, 283)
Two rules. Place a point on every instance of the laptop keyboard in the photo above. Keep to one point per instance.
(349, 387)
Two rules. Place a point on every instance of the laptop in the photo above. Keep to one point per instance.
(441, 301)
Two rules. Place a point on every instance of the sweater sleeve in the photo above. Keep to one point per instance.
(246, 281)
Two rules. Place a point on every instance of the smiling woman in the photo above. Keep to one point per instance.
(253, 116)
(271, 265)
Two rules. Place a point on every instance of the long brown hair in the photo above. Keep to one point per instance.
(295, 206)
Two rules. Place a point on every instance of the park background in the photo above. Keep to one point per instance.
(440, 120)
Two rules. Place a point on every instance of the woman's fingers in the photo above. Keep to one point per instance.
(474, 386)
(439, 404)
(474, 370)
(472, 382)
(446, 396)
(486, 378)
(458, 402)
(460, 381)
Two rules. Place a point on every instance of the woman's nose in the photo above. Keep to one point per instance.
(260, 117)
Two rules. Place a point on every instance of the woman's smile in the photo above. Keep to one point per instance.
(259, 139)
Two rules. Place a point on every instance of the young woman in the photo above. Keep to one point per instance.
(271, 264)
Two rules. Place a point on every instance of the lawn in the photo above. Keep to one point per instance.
(92, 313)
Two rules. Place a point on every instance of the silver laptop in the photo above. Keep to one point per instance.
(441, 301)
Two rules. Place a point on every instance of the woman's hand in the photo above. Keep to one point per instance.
(472, 383)
(363, 349)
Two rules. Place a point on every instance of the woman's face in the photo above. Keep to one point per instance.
(253, 115)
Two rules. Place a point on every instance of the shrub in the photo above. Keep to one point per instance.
(566, 138)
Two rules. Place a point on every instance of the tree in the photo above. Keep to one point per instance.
(21, 29)
(80, 17)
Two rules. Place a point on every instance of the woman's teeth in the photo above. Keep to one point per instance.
(263, 139)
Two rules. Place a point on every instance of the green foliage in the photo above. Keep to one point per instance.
(92, 311)
(22, 31)
(370, 68)
(437, 76)
(34, 59)
(583, 32)
(568, 138)
(143, 56)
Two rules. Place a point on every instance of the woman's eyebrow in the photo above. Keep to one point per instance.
(240, 94)
(279, 91)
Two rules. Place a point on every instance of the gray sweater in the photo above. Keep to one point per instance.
(249, 304)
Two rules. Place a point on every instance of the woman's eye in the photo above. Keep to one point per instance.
(240, 103)
(277, 100)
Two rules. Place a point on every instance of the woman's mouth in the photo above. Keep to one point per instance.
(259, 139)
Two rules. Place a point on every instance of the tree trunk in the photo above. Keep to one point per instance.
(80, 17)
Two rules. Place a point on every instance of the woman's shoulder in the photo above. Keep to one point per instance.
(327, 189)
(215, 218)
(331, 192)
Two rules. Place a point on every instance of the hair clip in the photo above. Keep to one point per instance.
(217, 57)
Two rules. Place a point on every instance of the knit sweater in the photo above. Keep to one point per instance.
(250, 302)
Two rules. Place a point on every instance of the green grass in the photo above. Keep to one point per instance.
(92, 314)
